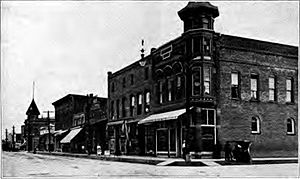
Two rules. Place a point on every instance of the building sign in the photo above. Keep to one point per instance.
(45, 129)
(166, 52)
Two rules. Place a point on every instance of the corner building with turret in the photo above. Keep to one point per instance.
(205, 89)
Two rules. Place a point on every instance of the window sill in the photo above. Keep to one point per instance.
(290, 133)
(255, 133)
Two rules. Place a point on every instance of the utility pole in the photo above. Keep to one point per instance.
(6, 139)
(87, 122)
(49, 130)
(13, 138)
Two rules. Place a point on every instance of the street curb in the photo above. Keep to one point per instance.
(107, 158)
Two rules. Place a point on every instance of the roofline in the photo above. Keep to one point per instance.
(258, 40)
(78, 95)
(128, 67)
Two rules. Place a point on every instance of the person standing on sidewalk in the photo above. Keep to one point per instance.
(184, 150)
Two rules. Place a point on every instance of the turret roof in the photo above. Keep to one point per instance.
(33, 109)
(194, 7)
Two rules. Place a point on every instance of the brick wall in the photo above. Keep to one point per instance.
(234, 121)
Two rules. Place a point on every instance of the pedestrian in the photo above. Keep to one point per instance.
(228, 152)
(183, 149)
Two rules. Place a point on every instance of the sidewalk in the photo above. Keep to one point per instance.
(160, 161)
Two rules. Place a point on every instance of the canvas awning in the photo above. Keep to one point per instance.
(71, 135)
(163, 116)
(115, 123)
(59, 132)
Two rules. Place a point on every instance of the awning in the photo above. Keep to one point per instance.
(163, 116)
(59, 132)
(115, 123)
(128, 121)
(71, 135)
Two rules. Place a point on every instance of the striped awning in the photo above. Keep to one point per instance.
(163, 116)
(71, 135)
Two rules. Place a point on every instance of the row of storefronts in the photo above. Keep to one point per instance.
(193, 94)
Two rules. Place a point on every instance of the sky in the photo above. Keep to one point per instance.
(69, 46)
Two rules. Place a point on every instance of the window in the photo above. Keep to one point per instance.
(206, 80)
(112, 110)
(290, 126)
(255, 125)
(272, 87)
(147, 101)
(178, 84)
(132, 101)
(206, 46)
(207, 117)
(254, 87)
(112, 87)
(289, 90)
(146, 73)
(124, 82)
(235, 85)
(196, 88)
(205, 23)
(179, 87)
(160, 95)
(196, 45)
(124, 107)
(118, 109)
(131, 79)
(139, 105)
(170, 90)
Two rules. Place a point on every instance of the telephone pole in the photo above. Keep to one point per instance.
(49, 129)
(6, 139)
(13, 138)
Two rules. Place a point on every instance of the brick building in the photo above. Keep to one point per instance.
(206, 88)
(129, 92)
(80, 123)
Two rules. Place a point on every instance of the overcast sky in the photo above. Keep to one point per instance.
(68, 47)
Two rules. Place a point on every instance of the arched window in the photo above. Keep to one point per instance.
(255, 125)
(159, 73)
(290, 126)
(177, 67)
(168, 70)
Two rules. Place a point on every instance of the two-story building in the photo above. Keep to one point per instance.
(207, 88)
(80, 123)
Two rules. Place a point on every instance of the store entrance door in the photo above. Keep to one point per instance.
(166, 141)
(208, 129)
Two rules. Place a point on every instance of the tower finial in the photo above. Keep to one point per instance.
(142, 50)
(33, 90)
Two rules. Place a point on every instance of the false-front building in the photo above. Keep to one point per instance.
(206, 88)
